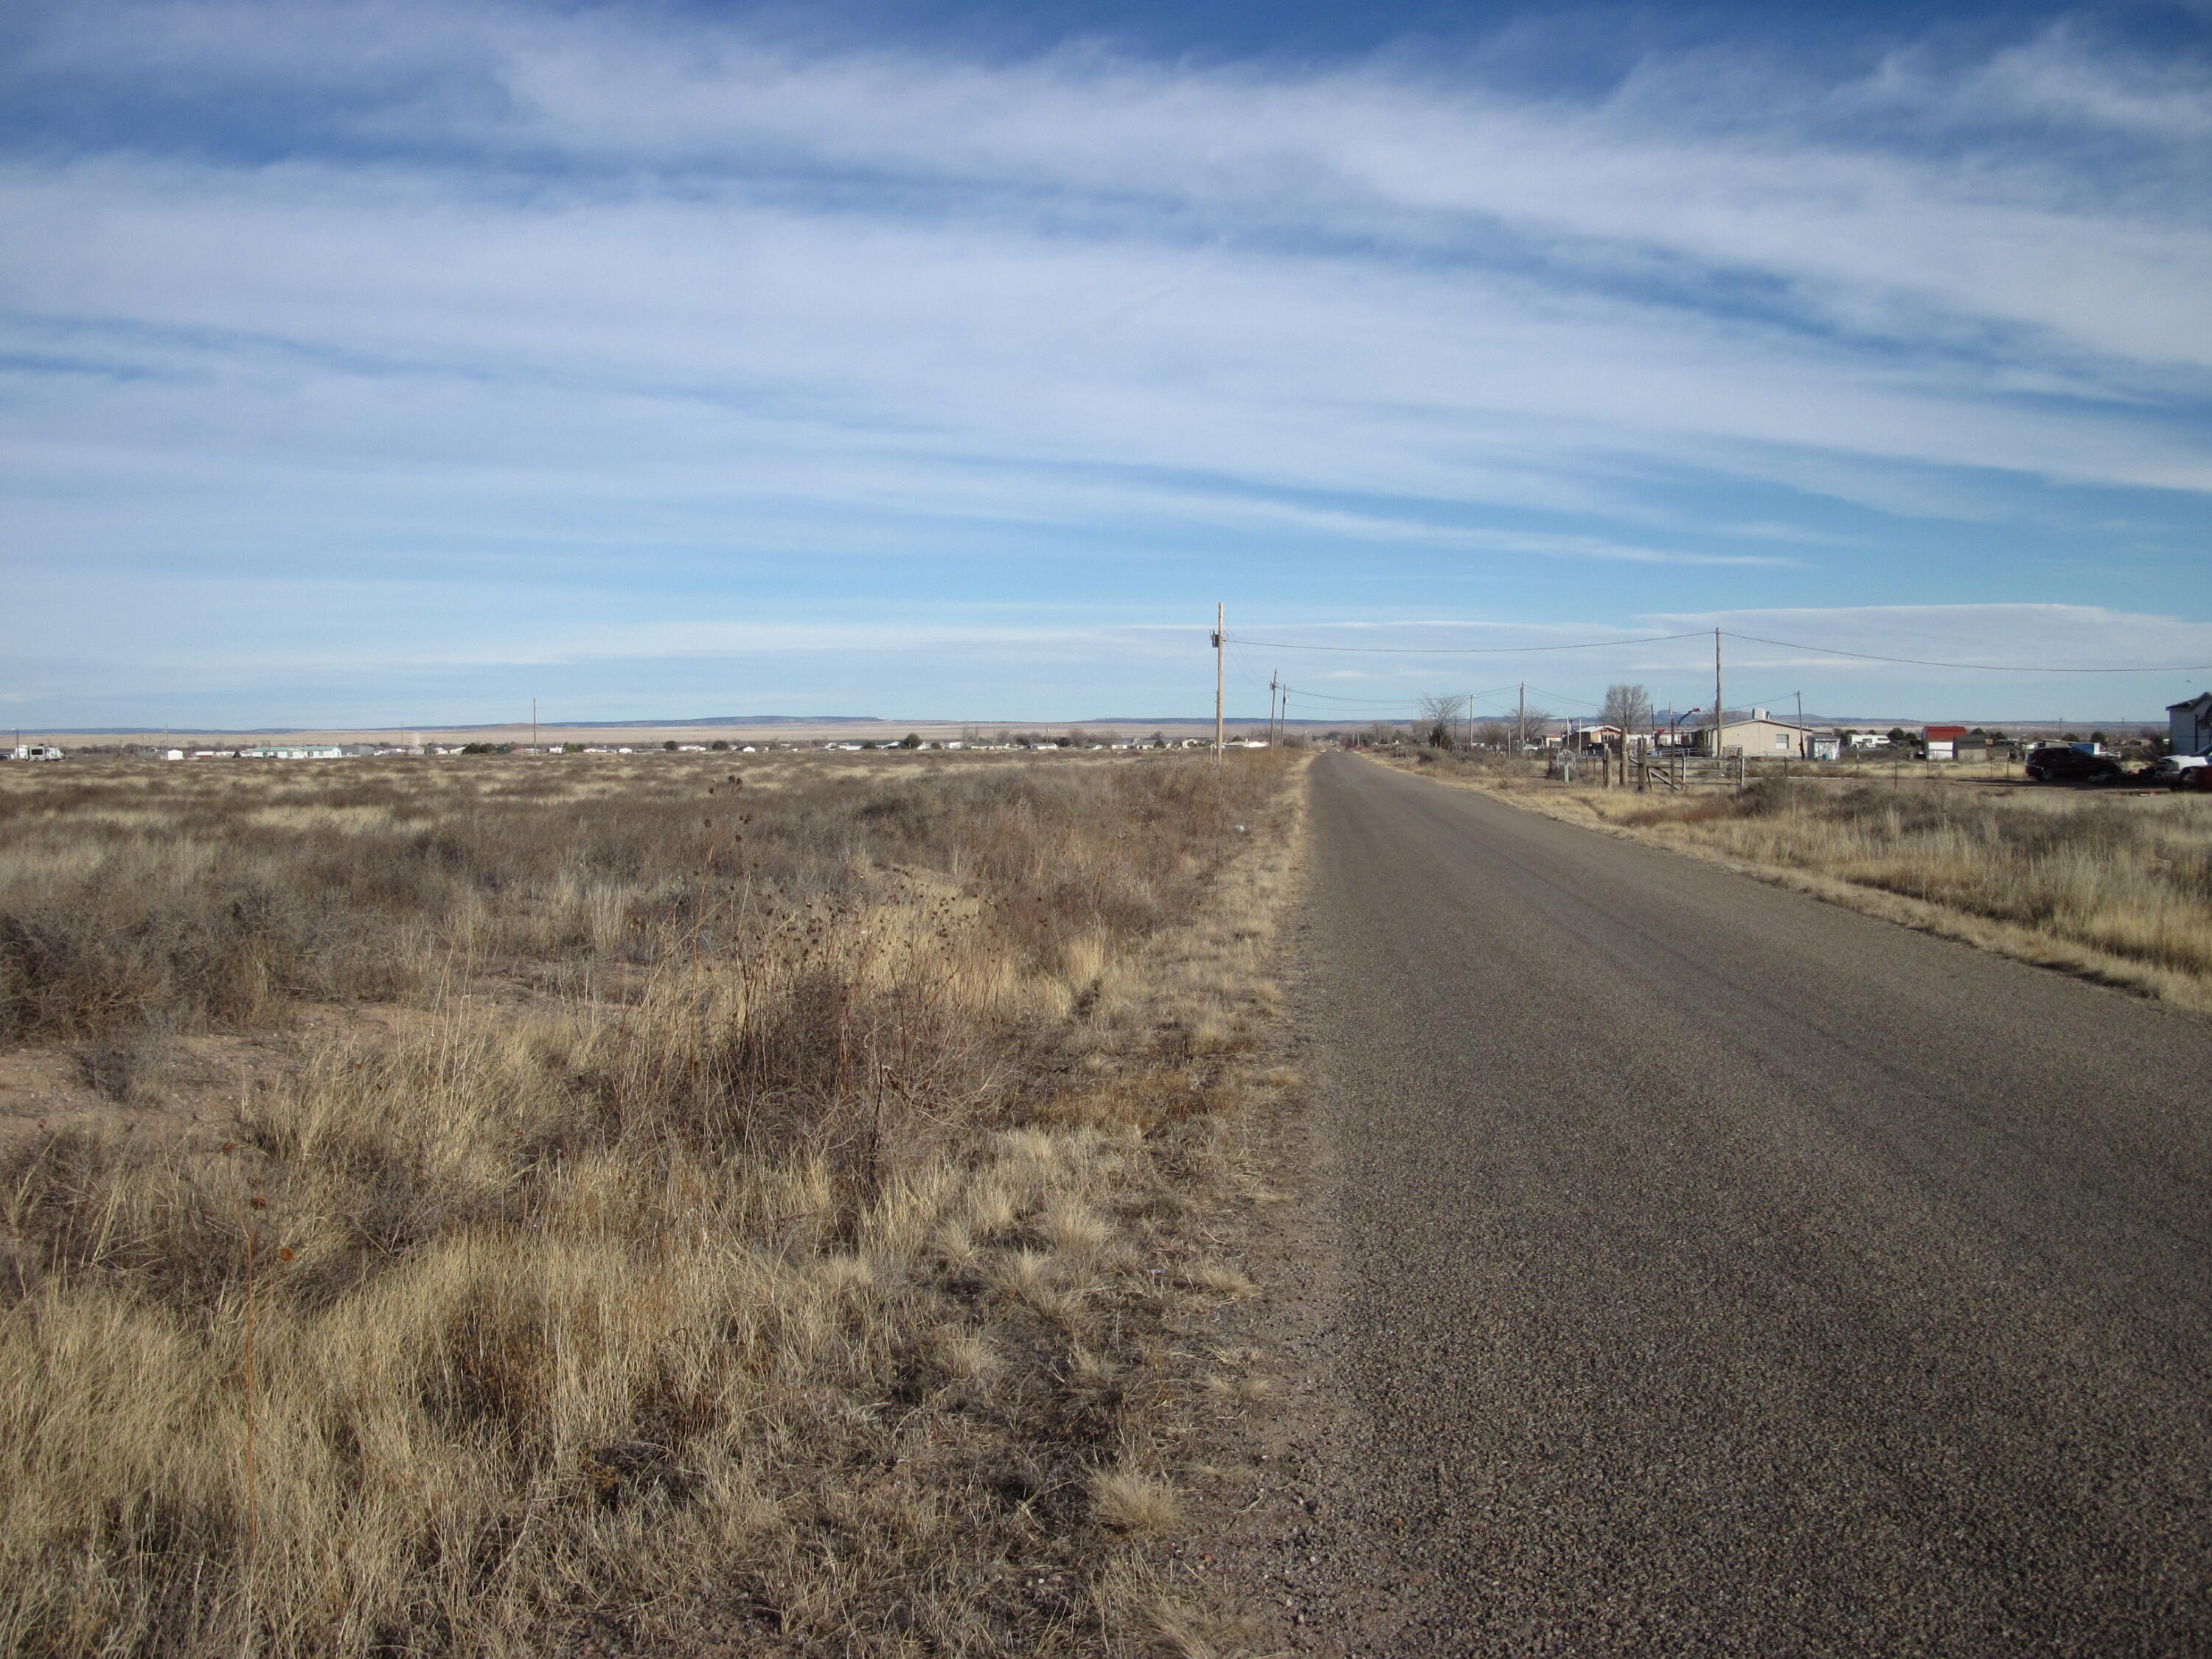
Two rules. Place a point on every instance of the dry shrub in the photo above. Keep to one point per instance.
(2118, 886)
(218, 895)
(2125, 877)
(767, 1299)
(1131, 1501)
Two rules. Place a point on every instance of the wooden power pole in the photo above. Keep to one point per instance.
(1220, 672)
(1521, 724)
(1719, 709)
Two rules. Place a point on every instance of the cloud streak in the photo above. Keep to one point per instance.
(607, 300)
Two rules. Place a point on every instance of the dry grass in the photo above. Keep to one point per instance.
(1129, 1500)
(761, 1234)
(2116, 886)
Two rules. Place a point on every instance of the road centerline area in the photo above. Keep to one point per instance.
(1726, 1271)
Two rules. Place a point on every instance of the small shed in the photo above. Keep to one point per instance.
(1943, 741)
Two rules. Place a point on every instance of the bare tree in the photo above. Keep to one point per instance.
(1438, 715)
(1627, 707)
(1532, 725)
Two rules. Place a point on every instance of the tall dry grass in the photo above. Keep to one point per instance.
(762, 1238)
(2125, 879)
(2115, 885)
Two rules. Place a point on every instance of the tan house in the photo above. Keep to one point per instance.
(1755, 736)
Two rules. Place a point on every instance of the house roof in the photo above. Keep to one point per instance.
(1744, 717)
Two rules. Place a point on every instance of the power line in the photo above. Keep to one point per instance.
(1466, 650)
(1983, 667)
(1395, 702)
(1754, 639)
(1561, 696)
(1246, 668)
(1324, 696)
(1373, 702)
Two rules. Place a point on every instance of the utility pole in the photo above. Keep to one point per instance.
(1521, 724)
(1220, 671)
(1719, 709)
(1274, 679)
(533, 725)
(1803, 747)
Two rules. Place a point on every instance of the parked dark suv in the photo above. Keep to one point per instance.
(2057, 764)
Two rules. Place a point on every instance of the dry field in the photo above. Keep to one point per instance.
(2114, 884)
(604, 1206)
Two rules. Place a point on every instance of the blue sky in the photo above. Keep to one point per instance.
(396, 363)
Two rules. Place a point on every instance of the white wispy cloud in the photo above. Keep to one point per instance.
(629, 289)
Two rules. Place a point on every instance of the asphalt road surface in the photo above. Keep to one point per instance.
(1724, 1272)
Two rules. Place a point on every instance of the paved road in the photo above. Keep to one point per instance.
(1727, 1272)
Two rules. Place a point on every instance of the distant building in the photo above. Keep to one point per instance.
(1755, 736)
(40, 751)
(2189, 725)
(1941, 742)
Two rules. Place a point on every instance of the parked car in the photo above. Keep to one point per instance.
(2173, 771)
(2057, 764)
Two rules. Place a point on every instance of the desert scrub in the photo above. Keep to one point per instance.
(2118, 886)
(2131, 877)
(226, 893)
(763, 1231)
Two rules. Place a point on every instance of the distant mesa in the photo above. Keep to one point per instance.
(704, 720)
(485, 726)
